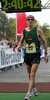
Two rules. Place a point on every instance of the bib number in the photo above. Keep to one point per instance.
(30, 49)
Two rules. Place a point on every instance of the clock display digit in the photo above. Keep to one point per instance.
(4, 7)
(29, 3)
(20, 4)
(36, 5)
(14, 4)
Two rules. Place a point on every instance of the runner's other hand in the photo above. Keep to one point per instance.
(46, 58)
(18, 47)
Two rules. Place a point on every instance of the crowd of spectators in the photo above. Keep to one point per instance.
(42, 51)
(8, 43)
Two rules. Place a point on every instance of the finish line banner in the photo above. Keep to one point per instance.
(8, 57)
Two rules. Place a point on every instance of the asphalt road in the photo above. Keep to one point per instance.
(19, 74)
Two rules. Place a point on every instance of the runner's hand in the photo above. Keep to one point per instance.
(46, 58)
(18, 47)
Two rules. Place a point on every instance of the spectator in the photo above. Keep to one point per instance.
(3, 44)
(16, 44)
(9, 43)
(13, 46)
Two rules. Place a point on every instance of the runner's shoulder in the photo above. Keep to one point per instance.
(39, 30)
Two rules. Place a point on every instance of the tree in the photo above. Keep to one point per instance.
(36, 23)
(46, 32)
(3, 23)
(47, 36)
(11, 28)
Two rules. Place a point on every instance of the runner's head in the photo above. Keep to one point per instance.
(30, 16)
(30, 20)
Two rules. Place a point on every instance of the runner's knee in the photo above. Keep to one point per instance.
(32, 75)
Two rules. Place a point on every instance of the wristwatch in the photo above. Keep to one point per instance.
(46, 53)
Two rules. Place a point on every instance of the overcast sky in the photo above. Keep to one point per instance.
(42, 16)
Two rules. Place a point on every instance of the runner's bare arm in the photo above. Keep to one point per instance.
(45, 43)
(20, 42)
(43, 38)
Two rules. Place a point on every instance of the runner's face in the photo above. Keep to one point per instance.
(30, 21)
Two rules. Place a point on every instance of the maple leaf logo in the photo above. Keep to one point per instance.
(29, 37)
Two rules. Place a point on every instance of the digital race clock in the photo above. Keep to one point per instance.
(20, 5)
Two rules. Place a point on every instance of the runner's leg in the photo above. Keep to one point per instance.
(28, 70)
(32, 77)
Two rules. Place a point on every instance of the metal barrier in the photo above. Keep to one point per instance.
(8, 57)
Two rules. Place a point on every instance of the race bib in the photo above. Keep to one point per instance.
(30, 48)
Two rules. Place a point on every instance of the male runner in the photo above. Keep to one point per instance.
(32, 36)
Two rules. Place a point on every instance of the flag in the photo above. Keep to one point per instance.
(21, 23)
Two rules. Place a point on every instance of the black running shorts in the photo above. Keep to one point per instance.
(31, 59)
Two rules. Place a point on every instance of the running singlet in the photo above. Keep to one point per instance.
(32, 42)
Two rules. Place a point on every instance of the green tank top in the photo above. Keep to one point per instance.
(32, 42)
